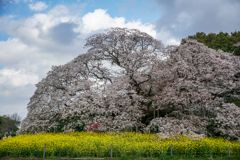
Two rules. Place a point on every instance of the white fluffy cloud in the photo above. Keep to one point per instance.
(16, 78)
(39, 6)
(58, 36)
(100, 19)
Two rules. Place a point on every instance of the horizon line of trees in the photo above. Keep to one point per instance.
(9, 123)
(223, 41)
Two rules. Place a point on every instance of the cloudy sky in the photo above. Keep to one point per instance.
(35, 34)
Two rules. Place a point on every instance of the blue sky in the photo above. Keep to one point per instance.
(37, 34)
(131, 10)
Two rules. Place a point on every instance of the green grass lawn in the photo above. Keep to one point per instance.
(131, 158)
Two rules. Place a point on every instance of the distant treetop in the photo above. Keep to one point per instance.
(223, 41)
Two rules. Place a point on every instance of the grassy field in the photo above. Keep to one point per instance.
(128, 145)
(133, 158)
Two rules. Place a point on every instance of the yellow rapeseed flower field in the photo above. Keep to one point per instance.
(85, 144)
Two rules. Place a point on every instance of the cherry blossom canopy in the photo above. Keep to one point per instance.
(128, 80)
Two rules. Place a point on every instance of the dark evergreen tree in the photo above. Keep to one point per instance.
(222, 41)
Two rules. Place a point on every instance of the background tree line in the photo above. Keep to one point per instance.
(223, 41)
(9, 123)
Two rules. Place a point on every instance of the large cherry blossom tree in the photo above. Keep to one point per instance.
(128, 80)
(195, 83)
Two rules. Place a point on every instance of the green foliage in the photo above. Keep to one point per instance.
(78, 128)
(231, 100)
(10, 122)
(237, 103)
(222, 41)
(237, 51)
(13, 134)
(1, 121)
(211, 131)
